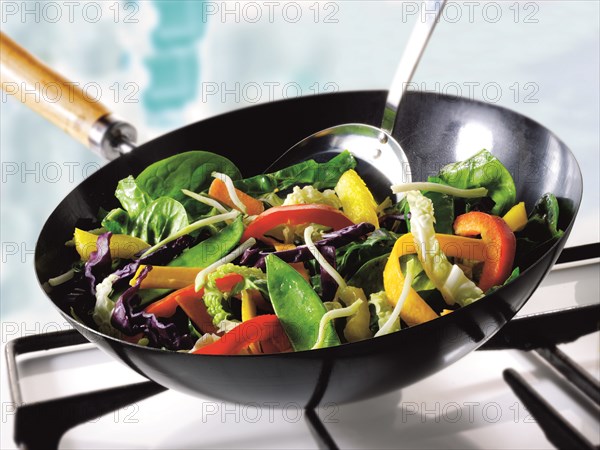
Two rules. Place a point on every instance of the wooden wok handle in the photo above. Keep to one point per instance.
(62, 102)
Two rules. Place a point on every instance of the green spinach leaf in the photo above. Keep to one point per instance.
(142, 217)
(420, 280)
(160, 219)
(352, 256)
(482, 170)
(540, 233)
(133, 199)
(542, 223)
(189, 170)
(370, 275)
(319, 175)
(443, 208)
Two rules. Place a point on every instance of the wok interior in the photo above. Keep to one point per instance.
(433, 130)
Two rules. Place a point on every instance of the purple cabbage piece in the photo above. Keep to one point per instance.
(328, 284)
(256, 257)
(346, 235)
(250, 256)
(159, 257)
(170, 333)
(99, 264)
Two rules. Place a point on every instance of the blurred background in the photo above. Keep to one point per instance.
(162, 65)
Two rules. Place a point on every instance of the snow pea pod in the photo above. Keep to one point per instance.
(297, 306)
(213, 248)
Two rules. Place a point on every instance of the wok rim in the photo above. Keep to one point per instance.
(382, 340)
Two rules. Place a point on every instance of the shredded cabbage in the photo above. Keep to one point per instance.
(449, 279)
(441, 188)
(206, 200)
(250, 274)
(382, 309)
(236, 253)
(310, 195)
(213, 297)
(57, 281)
(104, 306)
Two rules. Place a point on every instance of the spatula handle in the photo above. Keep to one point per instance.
(62, 102)
(428, 18)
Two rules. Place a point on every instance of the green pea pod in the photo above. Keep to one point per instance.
(213, 248)
(297, 305)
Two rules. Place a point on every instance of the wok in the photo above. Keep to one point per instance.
(433, 130)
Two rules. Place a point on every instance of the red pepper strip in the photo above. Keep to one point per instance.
(167, 306)
(261, 328)
(500, 244)
(295, 215)
(280, 343)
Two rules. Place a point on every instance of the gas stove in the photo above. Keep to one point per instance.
(482, 401)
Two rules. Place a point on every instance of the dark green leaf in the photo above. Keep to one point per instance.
(319, 175)
(133, 199)
(159, 220)
(540, 233)
(542, 223)
(189, 170)
(443, 208)
(482, 170)
(116, 221)
(420, 280)
(352, 256)
(370, 275)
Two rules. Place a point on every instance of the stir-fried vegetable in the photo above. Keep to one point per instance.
(500, 245)
(357, 201)
(449, 279)
(192, 261)
(121, 245)
(294, 215)
(297, 305)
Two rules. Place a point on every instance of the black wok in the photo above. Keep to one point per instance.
(432, 129)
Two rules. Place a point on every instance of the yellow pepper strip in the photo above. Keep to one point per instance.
(357, 201)
(357, 325)
(166, 277)
(121, 245)
(248, 313)
(248, 306)
(516, 217)
(298, 266)
(415, 309)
